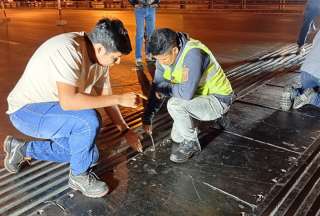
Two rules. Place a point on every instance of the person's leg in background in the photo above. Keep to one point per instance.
(140, 16)
(308, 19)
(150, 27)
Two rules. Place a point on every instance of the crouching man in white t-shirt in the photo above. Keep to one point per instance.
(53, 101)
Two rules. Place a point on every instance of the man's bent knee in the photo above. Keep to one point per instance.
(175, 104)
(90, 120)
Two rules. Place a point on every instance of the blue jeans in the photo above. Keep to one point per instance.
(69, 135)
(309, 16)
(309, 81)
(147, 14)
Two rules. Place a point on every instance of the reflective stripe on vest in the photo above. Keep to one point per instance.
(213, 80)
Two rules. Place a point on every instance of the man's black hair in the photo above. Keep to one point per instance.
(112, 34)
(162, 40)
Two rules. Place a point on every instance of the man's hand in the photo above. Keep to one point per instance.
(159, 95)
(129, 100)
(133, 140)
(147, 128)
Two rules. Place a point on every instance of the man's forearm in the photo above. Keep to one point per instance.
(115, 115)
(82, 101)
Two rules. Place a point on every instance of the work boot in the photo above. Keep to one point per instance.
(288, 95)
(174, 145)
(88, 184)
(15, 153)
(223, 122)
(185, 151)
(304, 98)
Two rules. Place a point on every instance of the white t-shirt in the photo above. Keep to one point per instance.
(62, 58)
(311, 63)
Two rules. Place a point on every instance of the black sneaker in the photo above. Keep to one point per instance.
(223, 122)
(185, 151)
(88, 184)
(15, 153)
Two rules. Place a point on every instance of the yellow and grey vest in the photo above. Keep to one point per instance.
(213, 80)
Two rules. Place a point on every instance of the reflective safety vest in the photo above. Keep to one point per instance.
(213, 80)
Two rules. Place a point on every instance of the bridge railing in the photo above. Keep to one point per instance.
(168, 4)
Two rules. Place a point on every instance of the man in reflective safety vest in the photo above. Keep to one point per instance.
(188, 73)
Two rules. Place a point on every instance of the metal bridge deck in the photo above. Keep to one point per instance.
(263, 162)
